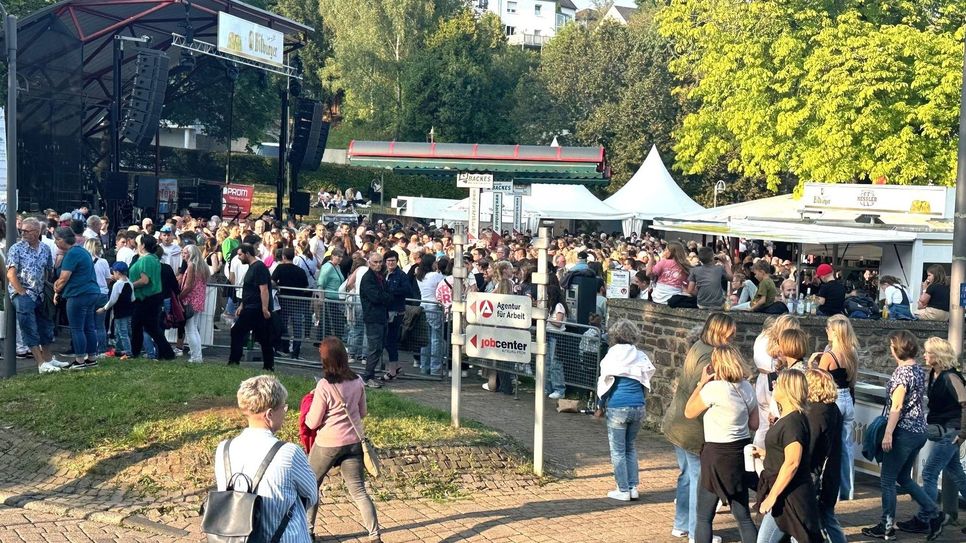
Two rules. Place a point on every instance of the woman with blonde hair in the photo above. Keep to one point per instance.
(289, 482)
(670, 274)
(825, 448)
(687, 435)
(945, 425)
(194, 290)
(765, 354)
(102, 272)
(841, 361)
(786, 495)
(726, 399)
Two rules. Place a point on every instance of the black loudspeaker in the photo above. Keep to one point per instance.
(147, 197)
(114, 186)
(309, 136)
(300, 203)
(143, 109)
(209, 195)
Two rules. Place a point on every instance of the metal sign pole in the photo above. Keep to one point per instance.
(457, 310)
(540, 316)
(9, 346)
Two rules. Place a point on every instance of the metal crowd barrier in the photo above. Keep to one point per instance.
(305, 316)
(576, 351)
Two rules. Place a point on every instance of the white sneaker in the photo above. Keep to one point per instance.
(59, 363)
(555, 395)
(634, 494)
(714, 539)
(486, 386)
(177, 351)
(619, 496)
(679, 533)
(47, 367)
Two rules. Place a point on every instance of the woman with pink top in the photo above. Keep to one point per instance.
(670, 275)
(194, 289)
(340, 394)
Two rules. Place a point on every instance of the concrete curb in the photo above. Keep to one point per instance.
(43, 504)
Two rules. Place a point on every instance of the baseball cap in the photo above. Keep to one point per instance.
(823, 270)
(119, 267)
(167, 229)
(65, 217)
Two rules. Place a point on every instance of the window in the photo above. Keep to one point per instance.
(511, 30)
(511, 7)
(537, 9)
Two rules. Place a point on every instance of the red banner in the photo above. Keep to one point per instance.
(236, 200)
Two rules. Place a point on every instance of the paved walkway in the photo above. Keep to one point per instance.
(568, 509)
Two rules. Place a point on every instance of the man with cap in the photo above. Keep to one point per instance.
(831, 293)
(172, 251)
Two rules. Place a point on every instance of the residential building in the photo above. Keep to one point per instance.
(621, 14)
(531, 23)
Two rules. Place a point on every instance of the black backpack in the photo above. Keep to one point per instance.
(232, 516)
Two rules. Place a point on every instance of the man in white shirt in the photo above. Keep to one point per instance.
(125, 253)
(93, 228)
(317, 245)
(172, 251)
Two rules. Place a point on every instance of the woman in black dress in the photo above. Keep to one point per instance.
(786, 496)
(825, 447)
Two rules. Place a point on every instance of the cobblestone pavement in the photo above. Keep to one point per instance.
(570, 508)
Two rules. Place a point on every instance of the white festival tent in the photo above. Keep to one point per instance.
(564, 202)
(651, 192)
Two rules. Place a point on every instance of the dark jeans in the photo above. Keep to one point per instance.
(392, 338)
(147, 320)
(252, 321)
(295, 317)
(349, 457)
(375, 335)
(708, 502)
(897, 468)
(83, 329)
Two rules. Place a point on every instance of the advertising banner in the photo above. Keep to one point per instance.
(503, 344)
(167, 196)
(242, 38)
(236, 200)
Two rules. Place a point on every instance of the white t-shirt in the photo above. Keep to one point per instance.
(238, 268)
(172, 256)
(893, 295)
(102, 271)
(726, 419)
(427, 287)
(125, 255)
(762, 393)
(551, 318)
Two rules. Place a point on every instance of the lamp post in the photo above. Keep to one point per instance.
(720, 186)
(10, 344)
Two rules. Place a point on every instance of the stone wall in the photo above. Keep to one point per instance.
(666, 335)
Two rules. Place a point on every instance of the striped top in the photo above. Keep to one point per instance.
(287, 479)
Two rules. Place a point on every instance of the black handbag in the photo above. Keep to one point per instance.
(231, 515)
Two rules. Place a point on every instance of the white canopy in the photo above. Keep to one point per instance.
(651, 192)
(567, 202)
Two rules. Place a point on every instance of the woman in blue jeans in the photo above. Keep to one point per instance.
(904, 435)
(841, 361)
(946, 426)
(76, 284)
(625, 378)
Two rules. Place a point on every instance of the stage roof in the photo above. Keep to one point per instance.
(525, 164)
(76, 35)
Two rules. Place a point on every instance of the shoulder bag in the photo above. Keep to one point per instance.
(232, 516)
(369, 455)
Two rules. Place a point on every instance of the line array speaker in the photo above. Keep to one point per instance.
(309, 135)
(143, 109)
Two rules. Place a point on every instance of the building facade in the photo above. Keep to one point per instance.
(531, 23)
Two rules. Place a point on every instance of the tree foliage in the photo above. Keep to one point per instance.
(821, 90)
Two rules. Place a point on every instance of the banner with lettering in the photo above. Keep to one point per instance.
(236, 200)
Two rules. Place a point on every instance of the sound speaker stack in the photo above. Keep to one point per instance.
(143, 109)
(309, 136)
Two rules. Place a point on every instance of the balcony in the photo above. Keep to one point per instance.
(562, 20)
(528, 40)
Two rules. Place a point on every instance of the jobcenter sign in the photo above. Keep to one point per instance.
(504, 344)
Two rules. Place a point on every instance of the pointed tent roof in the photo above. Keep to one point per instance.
(652, 192)
(546, 201)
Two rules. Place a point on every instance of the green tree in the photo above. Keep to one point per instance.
(459, 84)
(834, 91)
(373, 44)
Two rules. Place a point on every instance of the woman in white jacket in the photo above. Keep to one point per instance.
(625, 378)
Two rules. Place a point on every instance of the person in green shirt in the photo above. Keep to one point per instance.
(330, 276)
(767, 291)
(231, 242)
(145, 277)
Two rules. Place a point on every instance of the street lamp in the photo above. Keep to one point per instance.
(718, 187)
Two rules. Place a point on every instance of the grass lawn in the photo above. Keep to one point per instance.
(111, 415)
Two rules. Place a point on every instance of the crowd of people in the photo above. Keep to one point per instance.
(785, 430)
